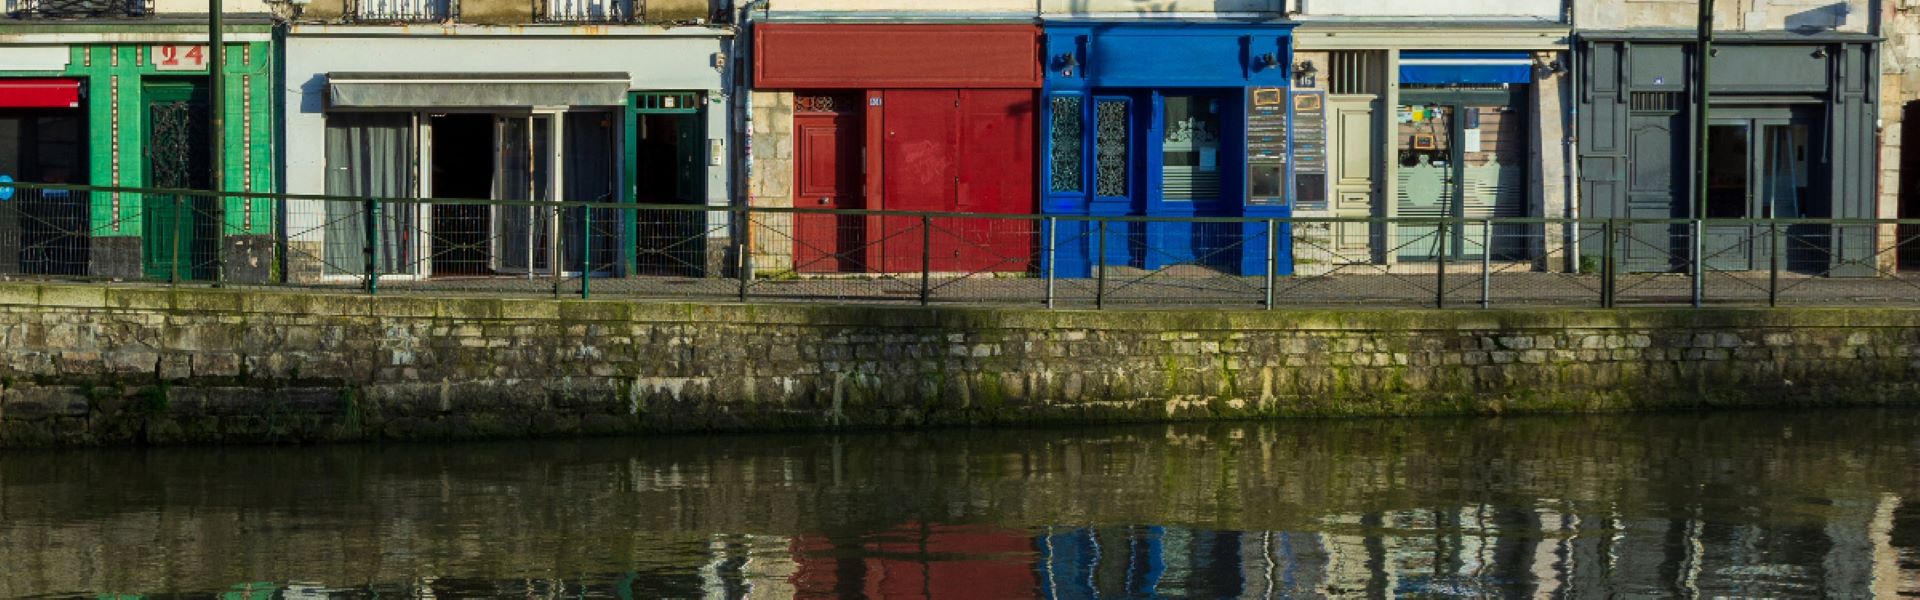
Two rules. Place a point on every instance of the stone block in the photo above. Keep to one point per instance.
(30, 403)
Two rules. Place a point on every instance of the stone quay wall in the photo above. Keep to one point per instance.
(137, 365)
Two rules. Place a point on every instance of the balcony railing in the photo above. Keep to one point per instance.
(589, 11)
(402, 11)
(77, 9)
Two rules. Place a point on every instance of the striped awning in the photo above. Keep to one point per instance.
(1453, 68)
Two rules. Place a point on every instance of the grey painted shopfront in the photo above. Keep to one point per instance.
(1790, 136)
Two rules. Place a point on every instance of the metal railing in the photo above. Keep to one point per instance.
(589, 11)
(402, 11)
(702, 253)
(78, 9)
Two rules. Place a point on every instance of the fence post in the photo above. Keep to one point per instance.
(586, 253)
(1100, 270)
(1440, 266)
(173, 265)
(370, 249)
(1773, 257)
(743, 251)
(1607, 266)
(1486, 263)
(1699, 260)
(219, 241)
(1053, 233)
(926, 257)
(1273, 249)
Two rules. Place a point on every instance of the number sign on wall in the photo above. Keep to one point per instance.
(180, 58)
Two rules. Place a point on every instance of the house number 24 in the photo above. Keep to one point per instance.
(179, 58)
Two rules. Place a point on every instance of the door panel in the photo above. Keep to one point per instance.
(920, 154)
(995, 177)
(1355, 151)
(177, 229)
(1654, 191)
(827, 175)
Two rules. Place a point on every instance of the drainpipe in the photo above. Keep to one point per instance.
(743, 99)
(1571, 142)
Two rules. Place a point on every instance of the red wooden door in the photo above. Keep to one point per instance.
(920, 156)
(827, 176)
(996, 176)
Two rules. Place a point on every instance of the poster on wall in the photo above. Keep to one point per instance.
(1309, 151)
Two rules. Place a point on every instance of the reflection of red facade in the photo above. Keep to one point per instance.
(943, 116)
(915, 561)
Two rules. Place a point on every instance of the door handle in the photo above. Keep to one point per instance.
(824, 201)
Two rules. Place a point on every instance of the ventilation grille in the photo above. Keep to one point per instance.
(1357, 72)
(1656, 101)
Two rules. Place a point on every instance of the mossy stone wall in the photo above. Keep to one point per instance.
(111, 365)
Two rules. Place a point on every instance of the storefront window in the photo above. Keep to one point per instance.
(1066, 143)
(1110, 147)
(1190, 148)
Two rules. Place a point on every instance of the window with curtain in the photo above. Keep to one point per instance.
(370, 156)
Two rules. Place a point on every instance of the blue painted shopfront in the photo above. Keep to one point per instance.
(1161, 119)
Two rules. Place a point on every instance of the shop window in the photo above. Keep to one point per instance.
(1110, 147)
(1190, 148)
(1066, 143)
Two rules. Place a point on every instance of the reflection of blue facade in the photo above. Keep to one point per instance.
(1151, 118)
(1097, 563)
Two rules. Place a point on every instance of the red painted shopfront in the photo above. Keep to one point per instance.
(936, 118)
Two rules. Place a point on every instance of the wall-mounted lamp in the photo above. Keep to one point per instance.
(1303, 74)
(1551, 67)
(1819, 52)
(1267, 61)
(1065, 62)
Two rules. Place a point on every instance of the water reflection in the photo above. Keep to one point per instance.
(1747, 504)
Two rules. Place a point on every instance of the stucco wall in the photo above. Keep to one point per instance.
(1729, 15)
(199, 7)
(1899, 85)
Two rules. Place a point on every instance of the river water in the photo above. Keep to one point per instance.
(1811, 504)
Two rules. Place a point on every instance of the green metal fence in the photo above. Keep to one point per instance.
(736, 253)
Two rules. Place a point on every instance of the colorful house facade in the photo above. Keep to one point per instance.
(893, 110)
(117, 94)
(549, 103)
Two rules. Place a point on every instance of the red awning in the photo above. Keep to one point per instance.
(39, 93)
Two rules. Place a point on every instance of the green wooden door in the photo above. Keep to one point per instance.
(177, 230)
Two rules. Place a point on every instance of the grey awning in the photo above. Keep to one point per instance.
(428, 90)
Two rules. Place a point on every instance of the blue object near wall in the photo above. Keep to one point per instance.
(1149, 119)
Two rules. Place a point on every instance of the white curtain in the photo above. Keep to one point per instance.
(370, 156)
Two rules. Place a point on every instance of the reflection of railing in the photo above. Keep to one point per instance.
(73, 9)
(696, 252)
(589, 11)
(402, 11)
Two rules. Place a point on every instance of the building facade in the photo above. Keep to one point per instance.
(1447, 109)
(117, 94)
(549, 103)
(1791, 132)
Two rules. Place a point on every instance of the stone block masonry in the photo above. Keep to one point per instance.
(131, 365)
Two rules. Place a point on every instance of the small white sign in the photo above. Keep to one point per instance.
(180, 58)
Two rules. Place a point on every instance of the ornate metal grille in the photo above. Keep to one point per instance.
(1068, 143)
(170, 150)
(1110, 147)
(78, 9)
(402, 11)
(823, 103)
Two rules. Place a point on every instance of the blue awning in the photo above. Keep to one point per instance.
(1445, 68)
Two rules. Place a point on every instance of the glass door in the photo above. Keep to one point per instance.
(1760, 168)
(1427, 178)
(524, 232)
(1462, 156)
(1730, 195)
